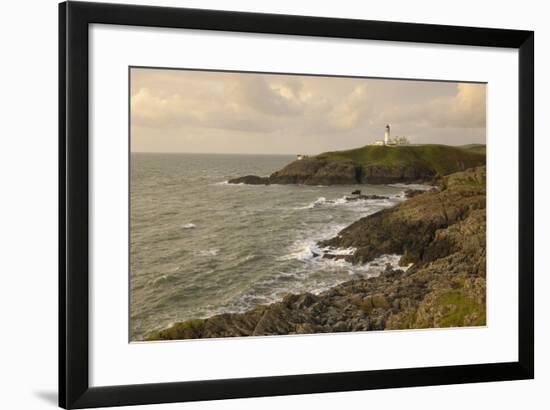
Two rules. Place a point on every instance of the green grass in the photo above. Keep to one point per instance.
(443, 159)
(479, 148)
(461, 307)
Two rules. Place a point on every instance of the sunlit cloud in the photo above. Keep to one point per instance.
(202, 111)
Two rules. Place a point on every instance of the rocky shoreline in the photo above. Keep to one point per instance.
(441, 235)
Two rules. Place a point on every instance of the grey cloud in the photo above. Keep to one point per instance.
(304, 114)
(256, 93)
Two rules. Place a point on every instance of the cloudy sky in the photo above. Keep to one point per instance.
(215, 112)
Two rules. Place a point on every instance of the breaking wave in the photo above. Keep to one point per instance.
(355, 203)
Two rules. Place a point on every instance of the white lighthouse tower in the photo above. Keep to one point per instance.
(387, 134)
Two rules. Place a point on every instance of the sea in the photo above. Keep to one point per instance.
(200, 246)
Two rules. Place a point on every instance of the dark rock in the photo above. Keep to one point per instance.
(356, 192)
(409, 193)
(390, 174)
(307, 328)
(364, 197)
(317, 171)
(250, 180)
(333, 256)
(341, 327)
(305, 300)
(322, 170)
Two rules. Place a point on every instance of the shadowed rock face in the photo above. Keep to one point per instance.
(328, 171)
(317, 171)
(309, 171)
(390, 174)
(440, 232)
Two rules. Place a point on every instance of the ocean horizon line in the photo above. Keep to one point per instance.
(217, 153)
(272, 154)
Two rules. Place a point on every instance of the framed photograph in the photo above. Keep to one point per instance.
(256, 204)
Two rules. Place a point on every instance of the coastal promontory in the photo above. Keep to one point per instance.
(373, 164)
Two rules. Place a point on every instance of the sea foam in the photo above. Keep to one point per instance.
(208, 252)
(361, 204)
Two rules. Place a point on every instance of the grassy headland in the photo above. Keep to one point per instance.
(374, 164)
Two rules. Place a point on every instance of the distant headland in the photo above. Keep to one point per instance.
(375, 164)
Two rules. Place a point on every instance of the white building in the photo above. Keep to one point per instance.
(389, 141)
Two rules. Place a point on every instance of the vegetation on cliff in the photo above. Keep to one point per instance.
(441, 235)
(479, 148)
(373, 164)
(434, 158)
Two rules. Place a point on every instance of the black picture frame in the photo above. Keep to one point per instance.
(74, 387)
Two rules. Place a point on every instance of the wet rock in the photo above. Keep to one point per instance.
(364, 197)
(250, 180)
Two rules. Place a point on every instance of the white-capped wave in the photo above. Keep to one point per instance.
(207, 252)
(189, 226)
(308, 251)
(306, 248)
(160, 280)
(318, 202)
(339, 251)
(315, 275)
(370, 269)
(360, 204)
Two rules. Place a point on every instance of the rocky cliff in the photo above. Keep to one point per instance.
(373, 165)
(441, 235)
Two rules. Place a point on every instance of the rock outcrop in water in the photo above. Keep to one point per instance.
(441, 235)
(250, 180)
(373, 165)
